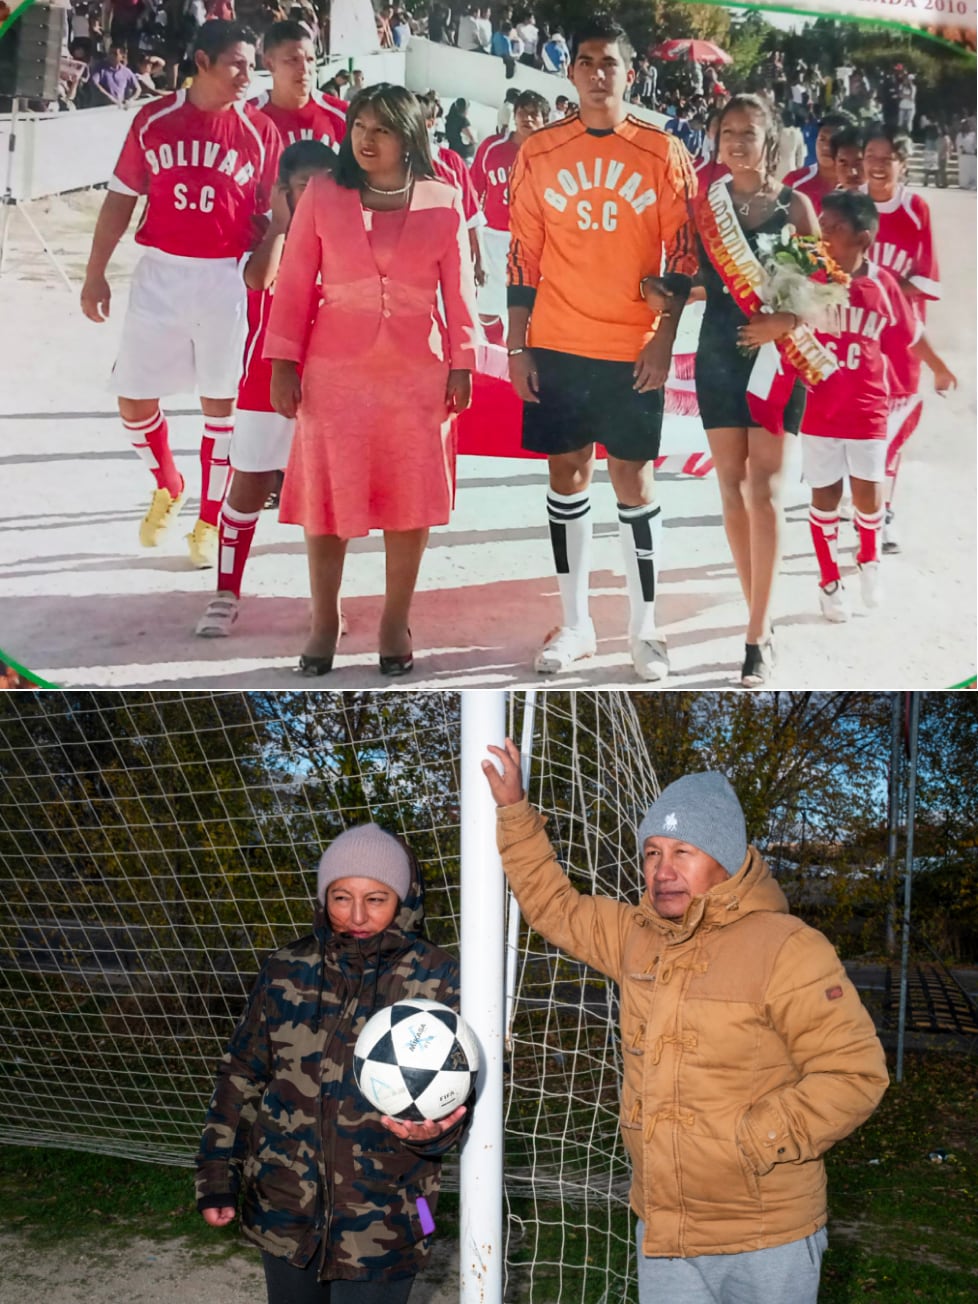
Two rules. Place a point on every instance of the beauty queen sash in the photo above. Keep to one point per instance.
(777, 366)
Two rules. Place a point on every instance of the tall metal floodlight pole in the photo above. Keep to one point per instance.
(893, 822)
(913, 721)
(482, 941)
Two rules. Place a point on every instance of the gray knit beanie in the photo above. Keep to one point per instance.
(703, 810)
(366, 851)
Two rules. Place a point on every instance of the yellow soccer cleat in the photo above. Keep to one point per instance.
(203, 544)
(163, 510)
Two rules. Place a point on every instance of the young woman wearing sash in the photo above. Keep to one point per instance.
(748, 394)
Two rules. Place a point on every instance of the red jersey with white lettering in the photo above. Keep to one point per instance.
(904, 245)
(450, 166)
(491, 167)
(318, 119)
(871, 338)
(207, 176)
(808, 181)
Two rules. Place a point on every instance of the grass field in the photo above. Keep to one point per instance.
(903, 1228)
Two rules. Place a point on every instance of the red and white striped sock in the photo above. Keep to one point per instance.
(150, 439)
(237, 532)
(825, 536)
(215, 466)
(870, 526)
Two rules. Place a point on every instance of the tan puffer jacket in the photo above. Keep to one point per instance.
(747, 1051)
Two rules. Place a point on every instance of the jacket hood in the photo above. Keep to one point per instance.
(752, 888)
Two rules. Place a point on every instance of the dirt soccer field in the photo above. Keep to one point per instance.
(82, 605)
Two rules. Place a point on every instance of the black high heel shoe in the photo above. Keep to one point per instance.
(395, 666)
(313, 667)
(758, 663)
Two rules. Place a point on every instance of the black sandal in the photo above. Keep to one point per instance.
(395, 666)
(313, 667)
(758, 663)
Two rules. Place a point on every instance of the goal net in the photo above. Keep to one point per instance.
(154, 847)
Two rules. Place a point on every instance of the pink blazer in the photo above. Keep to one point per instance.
(361, 309)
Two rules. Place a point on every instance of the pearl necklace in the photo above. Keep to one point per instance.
(377, 190)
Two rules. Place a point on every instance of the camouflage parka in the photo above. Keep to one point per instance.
(287, 1127)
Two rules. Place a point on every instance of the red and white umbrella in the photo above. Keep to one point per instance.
(688, 48)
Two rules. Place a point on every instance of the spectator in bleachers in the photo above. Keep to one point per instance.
(385, 33)
(791, 146)
(475, 30)
(502, 47)
(644, 85)
(529, 34)
(114, 79)
(458, 130)
(945, 147)
(965, 143)
(504, 118)
(556, 56)
(401, 30)
(440, 24)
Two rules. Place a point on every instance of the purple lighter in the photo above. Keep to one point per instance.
(424, 1216)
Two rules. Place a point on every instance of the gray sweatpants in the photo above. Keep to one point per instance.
(787, 1274)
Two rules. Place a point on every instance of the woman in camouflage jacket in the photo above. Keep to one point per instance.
(330, 1187)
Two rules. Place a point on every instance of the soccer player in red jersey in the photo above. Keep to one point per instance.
(295, 106)
(262, 438)
(451, 167)
(844, 428)
(847, 149)
(904, 246)
(817, 179)
(491, 167)
(206, 165)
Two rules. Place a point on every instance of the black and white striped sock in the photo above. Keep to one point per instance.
(570, 537)
(640, 532)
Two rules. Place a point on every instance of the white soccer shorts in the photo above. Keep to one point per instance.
(492, 295)
(184, 329)
(827, 461)
(261, 441)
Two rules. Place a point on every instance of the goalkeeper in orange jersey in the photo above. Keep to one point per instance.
(598, 206)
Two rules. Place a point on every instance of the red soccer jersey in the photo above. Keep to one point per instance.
(206, 176)
(491, 167)
(905, 245)
(871, 339)
(450, 166)
(809, 182)
(318, 119)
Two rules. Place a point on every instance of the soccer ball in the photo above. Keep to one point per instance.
(416, 1060)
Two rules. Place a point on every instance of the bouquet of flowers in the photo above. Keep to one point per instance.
(802, 277)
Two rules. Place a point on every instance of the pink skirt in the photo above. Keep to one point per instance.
(374, 448)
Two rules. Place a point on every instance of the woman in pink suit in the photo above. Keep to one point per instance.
(383, 370)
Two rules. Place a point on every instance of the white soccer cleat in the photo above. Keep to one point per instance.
(163, 510)
(869, 583)
(832, 600)
(203, 542)
(649, 657)
(890, 542)
(221, 613)
(563, 647)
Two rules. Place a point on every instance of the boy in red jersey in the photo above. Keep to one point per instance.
(491, 167)
(262, 438)
(599, 203)
(847, 149)
(206, 165)
(844, 427)
(818, 179)
(451, 167)
(904, 246)
(295, 106)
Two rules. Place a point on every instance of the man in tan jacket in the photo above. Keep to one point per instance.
(747, 1052)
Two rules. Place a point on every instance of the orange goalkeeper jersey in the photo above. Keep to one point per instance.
(591, 213)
